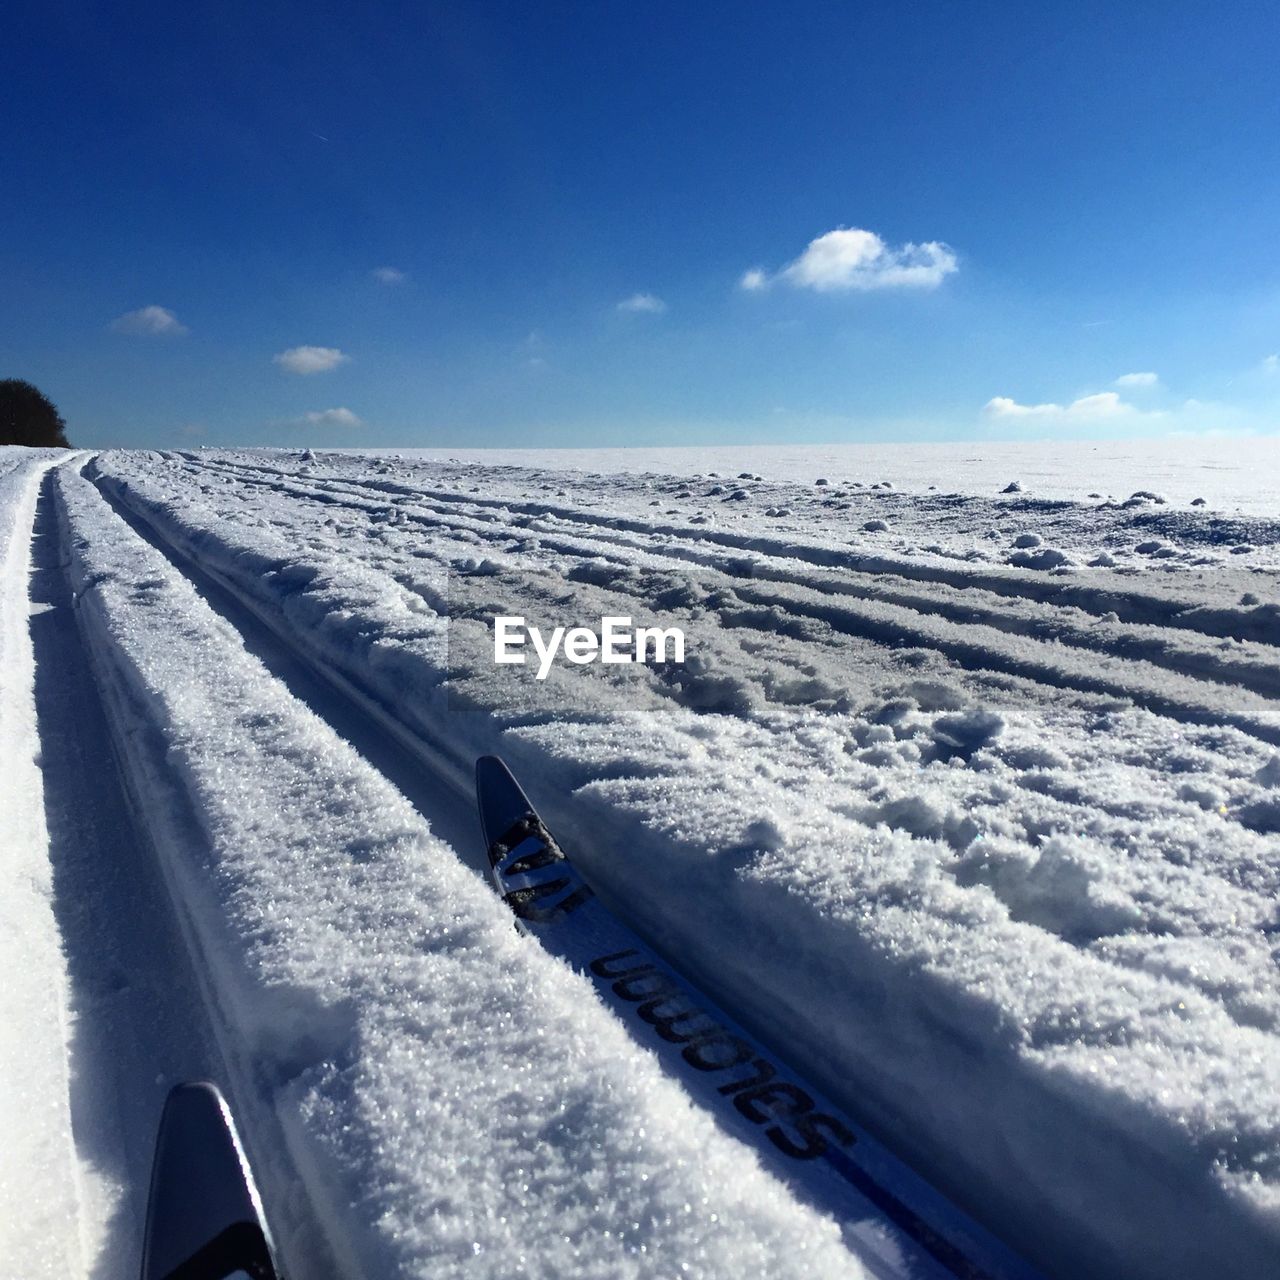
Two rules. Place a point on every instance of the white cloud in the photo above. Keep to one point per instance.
(310, 359)
(532, 350)
(1105, 404)
(328, 418)
(1271, 364)
(1138, 380)
(643, 302)
(389, 275)
(150, 320)
(850, 258)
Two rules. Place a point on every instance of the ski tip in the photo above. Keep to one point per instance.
(501, 800)
(489, 769)
(204, 1212)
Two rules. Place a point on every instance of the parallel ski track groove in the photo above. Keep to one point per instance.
(1130, 604)
(140, 762)
(902, 624)
(963, 603)
(1070, 809)
(449, 770)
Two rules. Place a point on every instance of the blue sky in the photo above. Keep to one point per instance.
(961, 221)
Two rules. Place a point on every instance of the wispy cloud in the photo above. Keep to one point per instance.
(327, 418)
(1138, 380)
(532, 349)
(1271, 364)
(310, 359)
(643, 302)
(153, 321)
(1104, 404)
(853, 259)
(389, 275)
(1107, 413)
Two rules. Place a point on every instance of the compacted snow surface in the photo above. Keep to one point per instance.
(966, 801)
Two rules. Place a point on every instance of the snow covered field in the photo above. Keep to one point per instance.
(966, 802)
(1232, 473)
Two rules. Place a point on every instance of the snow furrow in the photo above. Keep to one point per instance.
(1075, 1030)
(1138, 662)
(848, 668)
(453, 1101)
(1130, 601)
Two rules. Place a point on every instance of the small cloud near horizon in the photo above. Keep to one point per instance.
(306, 360)
(852, 259)
(1104, 404)
(1138, 380)
(340, 417)
(153, 321)
(643, 302)
(389, 275)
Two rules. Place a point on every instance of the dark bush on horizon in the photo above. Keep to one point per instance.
(28, 416)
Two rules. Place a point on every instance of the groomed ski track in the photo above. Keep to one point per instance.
(295, 740)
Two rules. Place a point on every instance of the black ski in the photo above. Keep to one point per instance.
(894, 1219)
(204, 1216)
